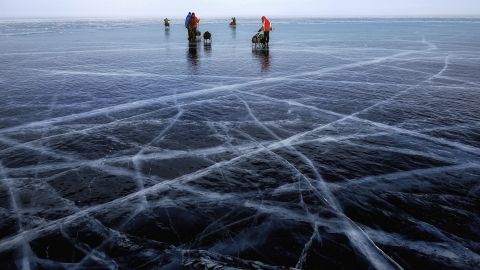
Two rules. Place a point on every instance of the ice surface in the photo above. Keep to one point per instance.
(348, 145)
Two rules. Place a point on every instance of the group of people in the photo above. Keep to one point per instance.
(191, 23)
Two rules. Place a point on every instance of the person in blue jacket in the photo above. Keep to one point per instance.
(187, 20)
(187, 24)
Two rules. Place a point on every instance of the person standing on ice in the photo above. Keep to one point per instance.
(187, 24)
(266, 27)
(194, 21)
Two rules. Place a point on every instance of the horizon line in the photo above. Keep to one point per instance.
(446, 16)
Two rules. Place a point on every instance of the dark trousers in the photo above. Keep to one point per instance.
(192, 34)
(266, 36)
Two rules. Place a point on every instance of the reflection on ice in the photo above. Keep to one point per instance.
(208, 49)
(263, 57)
(167, 33)
(193, 58)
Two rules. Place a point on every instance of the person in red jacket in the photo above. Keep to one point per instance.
(266, 27)
(194, 21)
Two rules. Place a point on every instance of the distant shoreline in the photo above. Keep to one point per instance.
(319, 19)
(471, 16)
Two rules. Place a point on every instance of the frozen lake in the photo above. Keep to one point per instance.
(347, 145)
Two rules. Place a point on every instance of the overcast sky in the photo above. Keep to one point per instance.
(226, 8)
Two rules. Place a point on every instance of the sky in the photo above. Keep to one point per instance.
(239, 8)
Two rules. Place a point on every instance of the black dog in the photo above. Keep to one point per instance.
(259, 40)
(207, 37)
